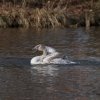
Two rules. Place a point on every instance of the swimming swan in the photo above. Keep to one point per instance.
(49, 56)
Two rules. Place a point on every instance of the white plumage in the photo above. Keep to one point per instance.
(49, 56)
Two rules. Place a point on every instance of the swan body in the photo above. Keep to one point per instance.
(37, 60)
(49, 56)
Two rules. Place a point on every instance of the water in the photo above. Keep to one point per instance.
(21, 81)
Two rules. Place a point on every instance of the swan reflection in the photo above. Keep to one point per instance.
(45, 70)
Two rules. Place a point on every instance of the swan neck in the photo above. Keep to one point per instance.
(45, 52)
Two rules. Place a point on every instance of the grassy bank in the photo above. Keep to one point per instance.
(29, 17)
(47, 13)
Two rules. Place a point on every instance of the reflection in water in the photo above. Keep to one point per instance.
(45, 70)
(18, 42)
(21, 81)
(69, 82)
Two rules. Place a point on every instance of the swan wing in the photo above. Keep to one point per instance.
(61, 61)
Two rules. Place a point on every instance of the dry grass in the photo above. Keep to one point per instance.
(24, 17)
(42, 14)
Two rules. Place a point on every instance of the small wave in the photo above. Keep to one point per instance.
(16, 61)
(25, 61)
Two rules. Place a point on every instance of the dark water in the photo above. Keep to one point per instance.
(21, 81)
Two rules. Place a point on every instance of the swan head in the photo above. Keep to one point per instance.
(39, 47)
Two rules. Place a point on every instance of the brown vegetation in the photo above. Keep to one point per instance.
(44, 13)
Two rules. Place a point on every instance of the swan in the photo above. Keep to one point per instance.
(49, 56)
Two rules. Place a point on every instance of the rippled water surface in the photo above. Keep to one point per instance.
(21, 81)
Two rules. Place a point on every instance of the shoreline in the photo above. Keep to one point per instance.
(74, 16)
